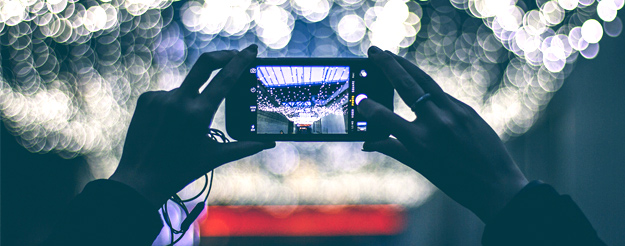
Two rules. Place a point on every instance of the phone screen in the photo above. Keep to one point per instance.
(303, 100)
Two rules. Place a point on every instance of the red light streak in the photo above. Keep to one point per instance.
(303, 220)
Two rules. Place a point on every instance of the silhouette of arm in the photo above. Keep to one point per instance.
(166, 148)
(538, 215)
(455, 149)
(107, 212)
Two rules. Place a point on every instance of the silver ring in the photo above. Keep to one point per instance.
(421, 99)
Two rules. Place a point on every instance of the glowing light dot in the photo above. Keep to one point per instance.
(351, 28)
(606, 10)
(568, 4)
(312, 10)
(613, 28)
(553, 59)
(553, 13)
(534, 22)
(274, 26)
(576, 40)
(488, 8)
(511, 18)
(591, 51)
(395, 11)
(12, 12)
(95, 19)
(592, 31)
(586, 2)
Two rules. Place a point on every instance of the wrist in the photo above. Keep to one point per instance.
(502, 194)
(156, 196)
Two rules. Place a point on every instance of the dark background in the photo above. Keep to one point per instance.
(577, 145)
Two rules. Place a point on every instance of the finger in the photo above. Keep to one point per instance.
(202, 69)
(423, 79)
(228, 152)
(391, 147)
(415, 158)
(461, 104)
(409, 90)
(379, 115)
(219, 86)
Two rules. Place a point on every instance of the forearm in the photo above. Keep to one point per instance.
(538, 215)
(107, 213)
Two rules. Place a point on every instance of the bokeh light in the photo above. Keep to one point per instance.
(613, 28)
(73, 70)
(592, 31)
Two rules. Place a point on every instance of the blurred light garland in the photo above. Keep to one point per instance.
(72, 71)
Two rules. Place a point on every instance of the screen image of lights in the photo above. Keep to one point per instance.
(303, 94)
(72, 71)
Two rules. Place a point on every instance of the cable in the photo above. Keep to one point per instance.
(209, 187)
(203, 188)
(217, 136)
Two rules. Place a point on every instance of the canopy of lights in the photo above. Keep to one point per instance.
(303, 94)
(72, 71)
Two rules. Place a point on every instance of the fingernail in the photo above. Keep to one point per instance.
(374, 50)
(366, 147)
(253, 47)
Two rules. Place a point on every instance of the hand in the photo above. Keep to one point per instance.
(167, 146)
(449, 143)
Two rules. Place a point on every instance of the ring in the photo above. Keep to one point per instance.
(421, 99)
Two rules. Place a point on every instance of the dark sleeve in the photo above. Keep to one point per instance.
(538, 215)
(107, 213)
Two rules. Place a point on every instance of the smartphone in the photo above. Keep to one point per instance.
(306, 99)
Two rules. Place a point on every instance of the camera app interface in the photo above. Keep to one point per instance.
(302, 99)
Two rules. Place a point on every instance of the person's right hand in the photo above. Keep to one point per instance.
(167, 146)
(449, 143)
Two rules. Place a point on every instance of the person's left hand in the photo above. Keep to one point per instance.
(449, 142)
(167, 146)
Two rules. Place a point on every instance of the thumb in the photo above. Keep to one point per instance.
(381, 116)
(227, 152)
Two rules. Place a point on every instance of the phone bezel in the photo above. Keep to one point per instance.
(240, 97)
